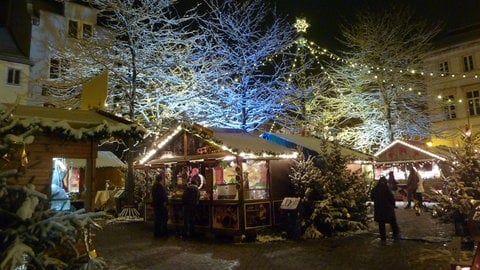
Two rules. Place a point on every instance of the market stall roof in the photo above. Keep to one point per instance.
(400, 151)
(235, 142)
(105, 159)
(312, 143)
(78, 124)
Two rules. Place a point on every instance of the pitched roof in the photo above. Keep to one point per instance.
(105, 159)
(77, 124)
(9, 50)
(231, 141)
(399, 151)
(311, 143)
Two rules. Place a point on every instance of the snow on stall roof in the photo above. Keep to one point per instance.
(87, 117)
(105, 159)
(313, 143)
(243, 141)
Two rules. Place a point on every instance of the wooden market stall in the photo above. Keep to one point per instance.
(246, 177)
(399, 155)
(110, 174)
(61, 135)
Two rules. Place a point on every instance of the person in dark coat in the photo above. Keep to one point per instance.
(384, 212)
(392, 183)
(159, 204)
(190, 199)
(412, 184)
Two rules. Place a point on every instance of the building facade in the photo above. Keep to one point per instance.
(32, 34)
(453, 84)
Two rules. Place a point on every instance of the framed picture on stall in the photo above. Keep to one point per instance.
(257, 214)
(225, 217)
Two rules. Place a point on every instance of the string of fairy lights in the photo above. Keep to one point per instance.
(319, 52)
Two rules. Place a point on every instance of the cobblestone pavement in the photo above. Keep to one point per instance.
(425, 244)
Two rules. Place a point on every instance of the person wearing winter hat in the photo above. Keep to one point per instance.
(197, 177)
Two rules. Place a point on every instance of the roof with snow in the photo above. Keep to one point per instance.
(311, 143)
(74, 124)
(105, 159)
(400, 151)
(216, 142)
(9, 51)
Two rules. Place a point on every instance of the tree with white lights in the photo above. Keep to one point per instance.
(375, 94)
(164, 65)
(251, 83)
(152, 56)
(224, 68)
(305, 77)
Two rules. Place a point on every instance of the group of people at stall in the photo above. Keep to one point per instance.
(190, 200)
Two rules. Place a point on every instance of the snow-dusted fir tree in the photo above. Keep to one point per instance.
(251, 83)
(376, 94)
(333, 198)
(32, 236)
(462, 190)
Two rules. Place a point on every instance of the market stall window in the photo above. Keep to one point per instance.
(226, 179)
(255, 179)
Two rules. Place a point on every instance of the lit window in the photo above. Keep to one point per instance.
(13, 76)
(444, 68)
(450, 108)
(468, 63)
(473, 98)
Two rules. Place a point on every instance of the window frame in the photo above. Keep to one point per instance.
(450, 108)
(468, 64)
(443, 67)
(79, 30)
(473, 98)
(61, 68)
(14, 76)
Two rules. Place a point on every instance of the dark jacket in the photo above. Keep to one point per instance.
(191, 196)
(384, 202)
(412, 181)
(159, 195)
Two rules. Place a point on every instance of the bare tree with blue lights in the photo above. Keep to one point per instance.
(251, 85)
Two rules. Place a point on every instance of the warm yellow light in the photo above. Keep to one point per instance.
(301, 25)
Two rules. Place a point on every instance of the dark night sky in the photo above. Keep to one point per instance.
(325, 16)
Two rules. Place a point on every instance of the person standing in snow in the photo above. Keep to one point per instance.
(159, 201)
(392, 183)
(412, 183)
(190, 199)
(384, 208)
(419, 195)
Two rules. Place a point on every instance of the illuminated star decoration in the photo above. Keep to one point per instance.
(301, 25)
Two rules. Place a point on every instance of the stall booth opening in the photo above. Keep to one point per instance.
(239, 193)
(68, 182)
(399, 156)
(65, 185)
